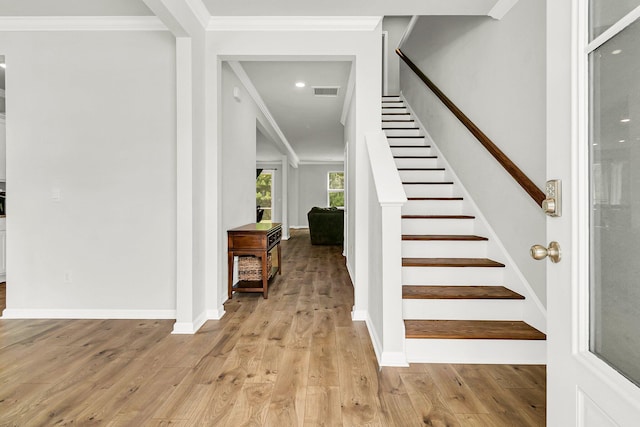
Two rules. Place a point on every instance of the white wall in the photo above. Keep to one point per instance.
(395, 27)
(238, 143)
(312, 188)
(495, 72)
(3, 149)
(349, 197)
(93, 119)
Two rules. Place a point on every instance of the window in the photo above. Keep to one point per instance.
(264, 189)
(335, 190)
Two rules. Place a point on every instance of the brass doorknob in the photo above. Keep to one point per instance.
(554, 253)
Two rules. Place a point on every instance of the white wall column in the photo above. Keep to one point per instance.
(184, 167)
(284, 177)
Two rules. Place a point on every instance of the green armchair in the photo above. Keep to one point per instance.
(326, 226)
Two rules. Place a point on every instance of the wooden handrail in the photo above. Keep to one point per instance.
(532, 190)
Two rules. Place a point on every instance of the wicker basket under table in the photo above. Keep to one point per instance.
(250, 267)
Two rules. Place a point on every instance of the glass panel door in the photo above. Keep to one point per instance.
(615, 195)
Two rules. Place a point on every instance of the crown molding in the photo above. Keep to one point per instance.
(407, 31)
(81, 23)
(253, 92)
(200, 11)
(321, 162)
(501, 8)
(293, 23)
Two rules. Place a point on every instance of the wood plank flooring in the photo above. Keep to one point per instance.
(295, 359)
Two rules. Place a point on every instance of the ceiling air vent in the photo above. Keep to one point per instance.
(327, 91)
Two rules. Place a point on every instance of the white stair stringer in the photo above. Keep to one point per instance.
(439, 206)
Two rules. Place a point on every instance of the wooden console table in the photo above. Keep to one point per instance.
(257, 240)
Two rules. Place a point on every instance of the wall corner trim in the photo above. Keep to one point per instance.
(293, 23)
(81, 23)
(348, 96)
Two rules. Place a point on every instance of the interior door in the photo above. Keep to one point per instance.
(593, 146)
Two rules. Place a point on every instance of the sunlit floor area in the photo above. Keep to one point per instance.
(293, 359)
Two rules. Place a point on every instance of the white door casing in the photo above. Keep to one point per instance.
(582, 390)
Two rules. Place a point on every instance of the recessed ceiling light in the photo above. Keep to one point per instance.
(617, 51)
(623, 140)
(300, 84)
(625, 120)
(3, 65)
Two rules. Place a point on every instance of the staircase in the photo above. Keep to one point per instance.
(456, 308)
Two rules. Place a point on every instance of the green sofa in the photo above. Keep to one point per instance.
(326, 226)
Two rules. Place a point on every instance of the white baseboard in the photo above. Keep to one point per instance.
(25, 313)
(190, 328)
(393, 358)
(298, 227)
(359, 315)
(216, 314)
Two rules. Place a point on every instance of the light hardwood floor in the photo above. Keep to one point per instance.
(294, 359)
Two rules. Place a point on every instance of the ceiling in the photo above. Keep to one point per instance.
(311, 124)
(252, 7)
(348, 7)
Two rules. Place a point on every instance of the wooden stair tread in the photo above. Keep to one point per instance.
(415, 157)
(447, 237)
(411, 146)
(405, 136)
(428, 183)
(400, 128)
(396, 114)
(458, 292)
(472, 329)
(438, 217)
(450, 262)
(434, 198)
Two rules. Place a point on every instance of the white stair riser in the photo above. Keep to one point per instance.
(461, 309)
(391, 98)
(444, 249)
(437, 226)
(432, 207)
(394, 110)
(392, 116)
(402, 132)
(399, 124)
(452, 276)
(428, 190)
(422, 176)
(407, 141)
(411, 151)
(392, 103)
(518, 352)
(417, 163)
